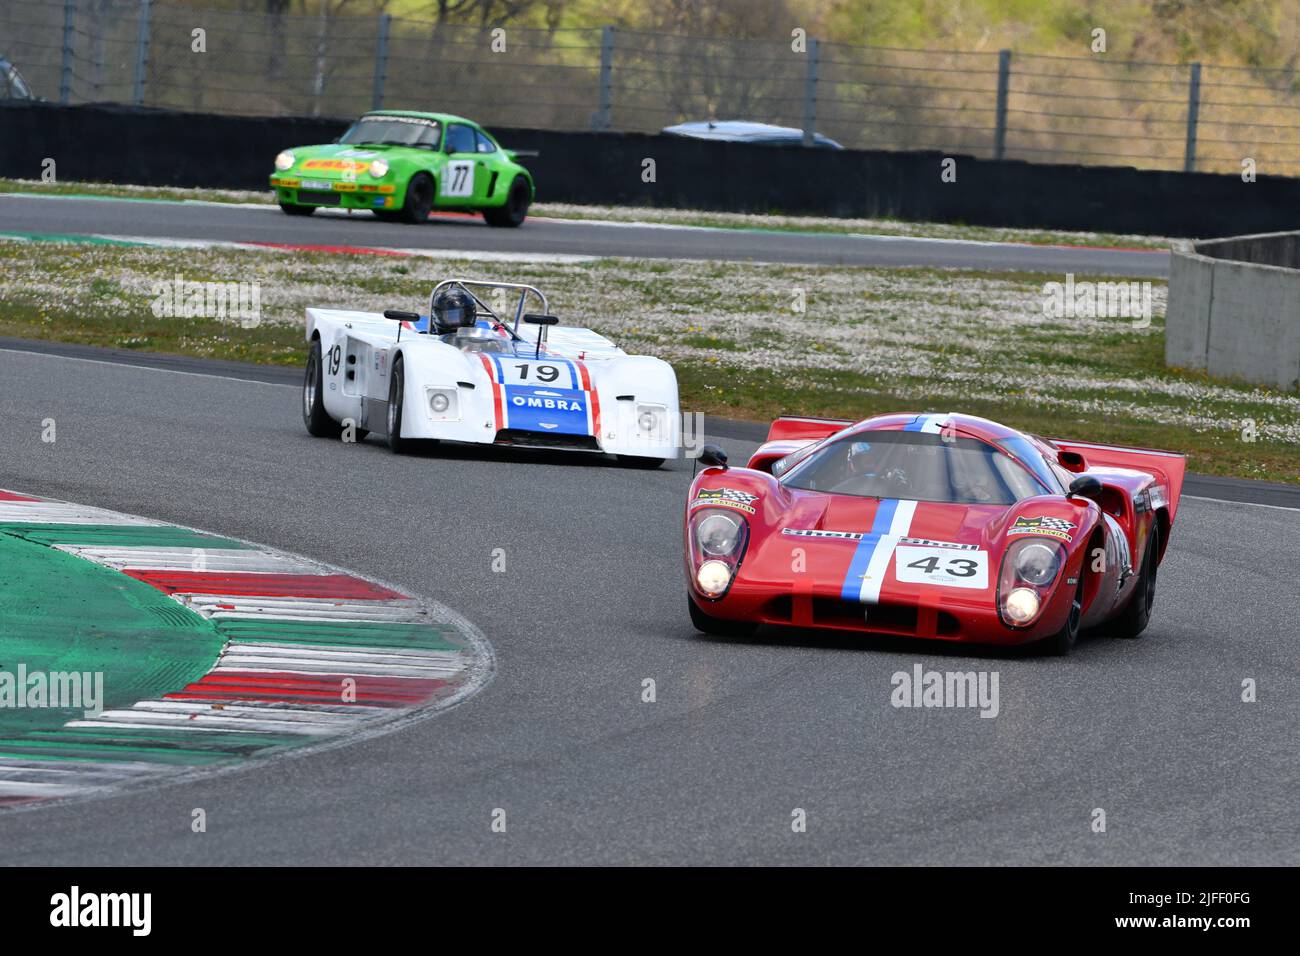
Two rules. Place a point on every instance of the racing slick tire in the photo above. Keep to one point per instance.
(290, 209)
(314, 416)
(514, 210)
(1135, 617)
(419, 199)
(396, 391)
(1062, 642)
(713, 625)
(636, 461)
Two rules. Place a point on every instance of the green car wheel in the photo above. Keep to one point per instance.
(515, 210)
(419, 199)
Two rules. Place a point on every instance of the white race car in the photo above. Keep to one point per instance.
(486, 374)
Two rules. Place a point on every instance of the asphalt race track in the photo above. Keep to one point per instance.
(591, 604)
(228, 223)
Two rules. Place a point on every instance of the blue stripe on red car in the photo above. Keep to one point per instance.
(852, 588)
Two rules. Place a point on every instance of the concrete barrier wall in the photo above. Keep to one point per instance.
(1271, 249)
(1187, 312)
(164, 148)
(1236, 318)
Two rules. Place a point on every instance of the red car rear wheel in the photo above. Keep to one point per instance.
(1137, 613)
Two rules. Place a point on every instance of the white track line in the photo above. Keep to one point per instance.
(612, 223)
(1233, 501)
(151, 368)
(217, 560)
(220, 606)
(58, 512)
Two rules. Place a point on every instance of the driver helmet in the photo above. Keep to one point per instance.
(861, 462)
(453, 308)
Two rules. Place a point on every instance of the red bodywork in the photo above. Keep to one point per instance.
(792, 572)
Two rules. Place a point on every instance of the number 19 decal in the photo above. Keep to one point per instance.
(531, 373)
(545, 373)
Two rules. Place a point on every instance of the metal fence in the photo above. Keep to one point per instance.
(1093, 110)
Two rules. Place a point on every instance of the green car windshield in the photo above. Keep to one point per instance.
(393, 131)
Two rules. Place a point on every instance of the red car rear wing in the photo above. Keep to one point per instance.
(1168, 466)
(790, 428)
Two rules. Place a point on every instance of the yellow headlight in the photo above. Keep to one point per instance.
(713, 577)
(284, 161)
(1021, 605)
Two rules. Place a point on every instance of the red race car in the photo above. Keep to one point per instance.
(938, 526)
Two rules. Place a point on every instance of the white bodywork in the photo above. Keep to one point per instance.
(579, 388)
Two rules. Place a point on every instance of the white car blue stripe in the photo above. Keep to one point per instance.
(573, 373)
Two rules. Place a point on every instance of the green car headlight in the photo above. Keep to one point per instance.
(284, 161)
(379, 168)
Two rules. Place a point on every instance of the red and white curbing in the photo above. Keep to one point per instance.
(288, 688)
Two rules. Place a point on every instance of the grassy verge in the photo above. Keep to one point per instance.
(775, 222)
(125, 191)
(748, 340)
(680, 217)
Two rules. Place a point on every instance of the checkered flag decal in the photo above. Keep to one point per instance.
(731, 494)
(1056, 524)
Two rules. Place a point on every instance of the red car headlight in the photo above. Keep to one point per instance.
(718, 540)
(1030, 568)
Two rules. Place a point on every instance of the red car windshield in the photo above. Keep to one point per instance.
(918, 466)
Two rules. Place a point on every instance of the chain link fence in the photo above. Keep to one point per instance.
(995, 104)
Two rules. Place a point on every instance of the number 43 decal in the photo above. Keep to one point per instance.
(960, 567)
(942, 566)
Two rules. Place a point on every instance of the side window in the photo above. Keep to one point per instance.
(485, 145)
(429, 136)
(460, 139)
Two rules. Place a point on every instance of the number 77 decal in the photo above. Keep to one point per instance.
(458, 178)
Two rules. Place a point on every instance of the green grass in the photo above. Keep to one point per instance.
(119, 191)
(762, 396)
(775, 221)
(870, 340)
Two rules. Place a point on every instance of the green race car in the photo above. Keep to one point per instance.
(400, 165)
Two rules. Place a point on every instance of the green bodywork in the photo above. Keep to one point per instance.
(338, 174)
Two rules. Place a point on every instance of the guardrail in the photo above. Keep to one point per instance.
(1234, 308)
(1091, 110)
